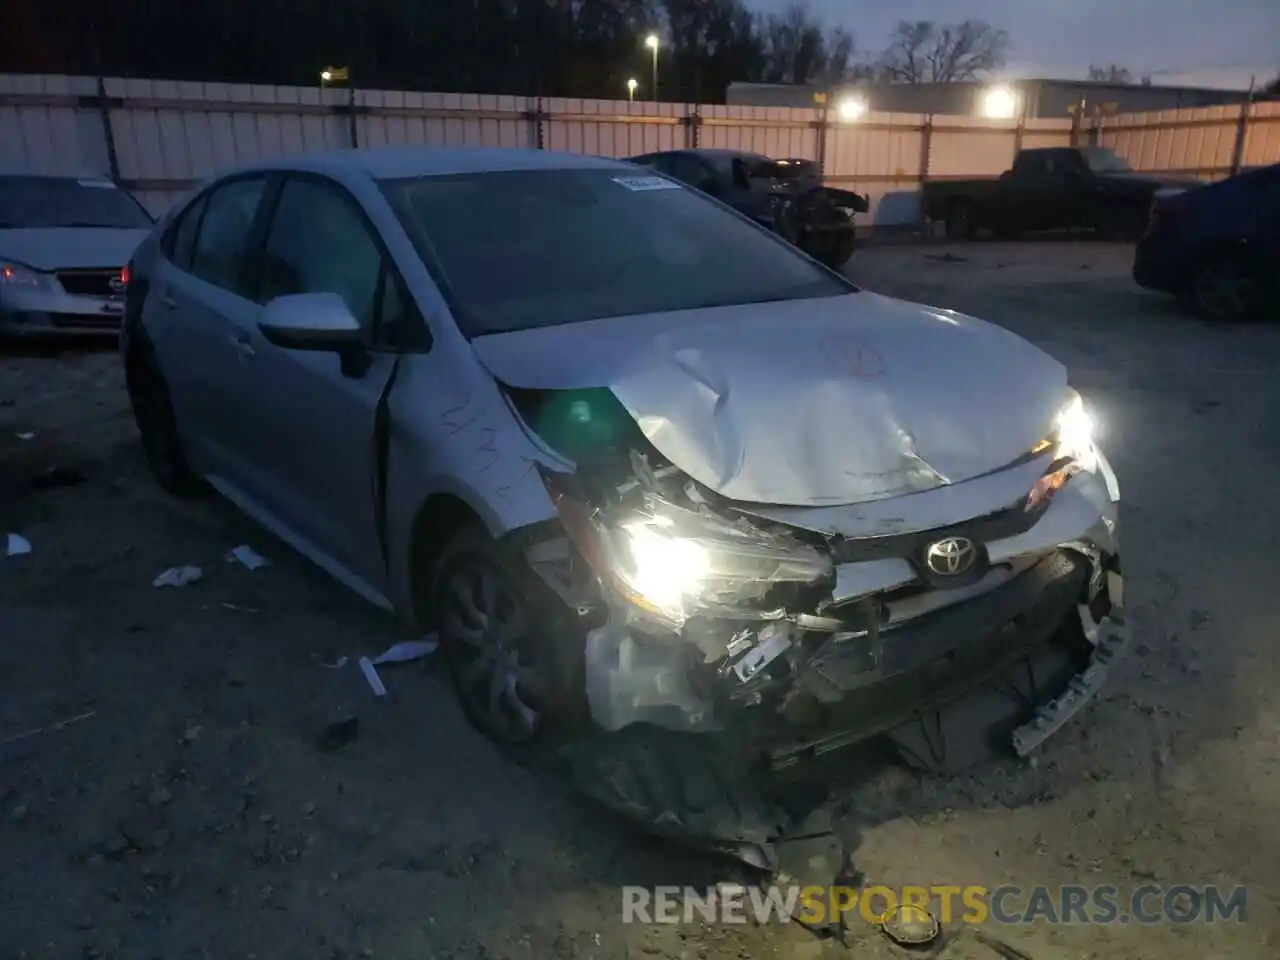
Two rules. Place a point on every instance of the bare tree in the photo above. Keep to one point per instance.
(1112, 73)
(926, 52)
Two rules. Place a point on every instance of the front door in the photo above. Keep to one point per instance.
(311, 439)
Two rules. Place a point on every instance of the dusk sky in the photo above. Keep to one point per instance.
(1210, 42)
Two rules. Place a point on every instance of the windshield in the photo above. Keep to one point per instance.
(533, 248)
(1104, 160)
(46, 202)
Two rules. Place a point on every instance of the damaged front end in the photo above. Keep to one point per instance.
(734, 641)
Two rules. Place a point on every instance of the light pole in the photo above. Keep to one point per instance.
(631, 89)
(652, 42)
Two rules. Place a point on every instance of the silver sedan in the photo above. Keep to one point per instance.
(660, 481)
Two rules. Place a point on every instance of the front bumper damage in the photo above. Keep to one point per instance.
(707, 723)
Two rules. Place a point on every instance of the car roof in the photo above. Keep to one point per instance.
(390, 163)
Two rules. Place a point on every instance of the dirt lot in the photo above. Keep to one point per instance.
(193, 814)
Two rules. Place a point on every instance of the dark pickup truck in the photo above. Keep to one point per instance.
(1053, 188)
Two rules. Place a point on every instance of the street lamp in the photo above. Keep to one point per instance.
(1000, 103)
(652, 42)
(851, 108)
(325, 76)
(631, 88)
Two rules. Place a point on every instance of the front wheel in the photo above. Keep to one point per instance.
(833, 250)
(502, 631)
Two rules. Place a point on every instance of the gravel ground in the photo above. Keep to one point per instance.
(192, 813)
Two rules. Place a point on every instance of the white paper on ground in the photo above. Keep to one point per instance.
(177, 577)
(25, 436)
(371, 674)
(18, 545)
(409, 650)
(247, 557)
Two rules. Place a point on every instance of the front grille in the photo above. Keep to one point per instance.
(90, 283)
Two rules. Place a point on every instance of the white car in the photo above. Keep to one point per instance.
(675, 496)
(64, 243)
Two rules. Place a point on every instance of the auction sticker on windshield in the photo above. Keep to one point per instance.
(647, 183)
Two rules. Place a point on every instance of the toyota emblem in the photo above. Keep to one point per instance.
(951, 557)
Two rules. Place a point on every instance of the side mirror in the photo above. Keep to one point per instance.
(317, 321)
(310, 321)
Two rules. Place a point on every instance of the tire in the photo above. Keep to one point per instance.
(519, 681)
(153, 414)
(834, 251)
(1228, 289)
(959, 222)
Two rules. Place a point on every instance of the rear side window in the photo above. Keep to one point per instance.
(319, 243)
(223, 239)
(181, 239)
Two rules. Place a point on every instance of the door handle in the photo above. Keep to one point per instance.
(242, 346)
(168, 302)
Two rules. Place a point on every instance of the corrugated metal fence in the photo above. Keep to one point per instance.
(159, 137)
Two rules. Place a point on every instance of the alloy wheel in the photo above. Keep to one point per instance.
(485, 626)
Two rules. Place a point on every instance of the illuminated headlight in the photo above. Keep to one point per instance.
(671, 562)
(19, 275)
(662, 569)
(1075, 433)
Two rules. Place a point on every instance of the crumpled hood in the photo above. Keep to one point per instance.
(807, 402)
(63, 247)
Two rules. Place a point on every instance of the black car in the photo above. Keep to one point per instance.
(1051, 188)
(786, 196)
(1217, 247)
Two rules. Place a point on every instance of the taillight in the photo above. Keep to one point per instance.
(124, 275)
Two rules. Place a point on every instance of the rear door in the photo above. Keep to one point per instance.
(311, 433)
(199, 298)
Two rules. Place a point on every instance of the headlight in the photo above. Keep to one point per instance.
(672, 562)
(19, 275)
(1075, 433)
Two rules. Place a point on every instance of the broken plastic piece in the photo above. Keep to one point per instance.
(19, 545)
(247, 557)
(407, 651)
(909, 925)
(371, 674)
(178, 577)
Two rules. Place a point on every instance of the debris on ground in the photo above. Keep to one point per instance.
(407, 651)
(247, 557)
(178, 577)
(371, 674)
(51, 728)
(25, 436)
(910, 926)
(18, 545)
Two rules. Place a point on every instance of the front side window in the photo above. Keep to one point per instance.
(1104, 160)
(319, 243)
(530, 248)
(223, 239)
(40, 203)
(181, 240)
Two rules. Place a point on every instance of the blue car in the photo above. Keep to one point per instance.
(1217, 247)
